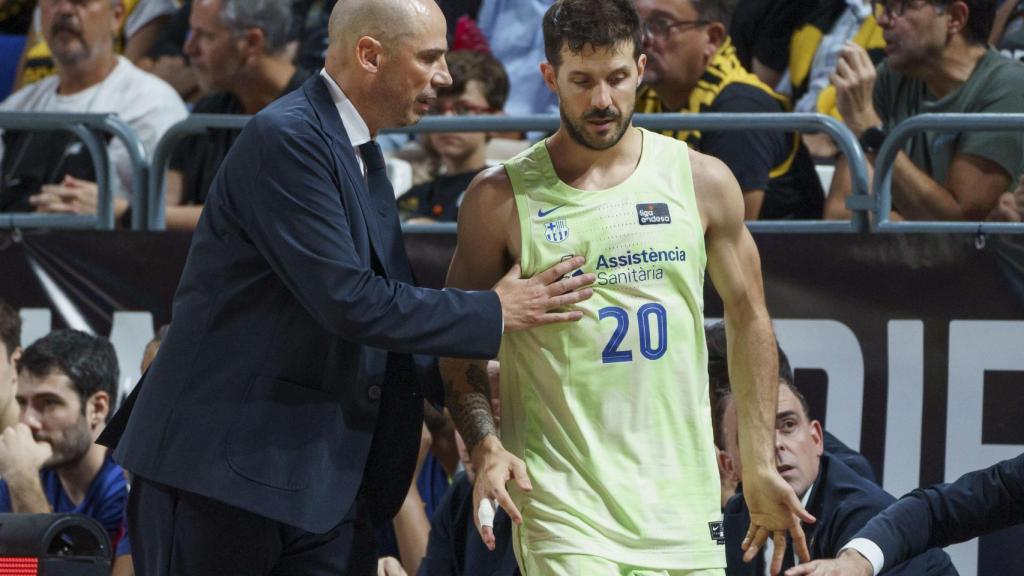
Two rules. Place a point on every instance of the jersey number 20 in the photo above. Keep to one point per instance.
(611, 352)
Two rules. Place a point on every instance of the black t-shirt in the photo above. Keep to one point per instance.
(198, 157)
(438, 199)
(762, 29)
(752, 155)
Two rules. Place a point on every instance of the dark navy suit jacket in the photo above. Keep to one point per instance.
(266, 392)
(841, 501)
(978, 503)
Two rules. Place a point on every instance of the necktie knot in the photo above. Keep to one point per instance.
(372, 156)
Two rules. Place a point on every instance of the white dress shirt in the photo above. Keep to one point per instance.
(355, 126)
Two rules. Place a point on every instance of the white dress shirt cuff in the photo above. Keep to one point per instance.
(869, 550)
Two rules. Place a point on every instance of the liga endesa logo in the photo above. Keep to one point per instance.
(653, 214)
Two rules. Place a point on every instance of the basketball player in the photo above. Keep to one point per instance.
(606, 439)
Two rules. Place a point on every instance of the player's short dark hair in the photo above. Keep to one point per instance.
(719, 383)
(468, 65)
(598, 23)
(10, 328)
(88, 361)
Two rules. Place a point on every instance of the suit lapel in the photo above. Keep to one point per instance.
(346, 164)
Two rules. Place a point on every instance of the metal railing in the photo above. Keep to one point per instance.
(194, 124)
(886, 160)
(85, 127)
(859, 202)
(149, 179)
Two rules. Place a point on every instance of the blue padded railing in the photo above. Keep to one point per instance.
(886, 160)
(85, 126)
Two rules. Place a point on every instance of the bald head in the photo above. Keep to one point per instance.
(388, 58)
(387, 21)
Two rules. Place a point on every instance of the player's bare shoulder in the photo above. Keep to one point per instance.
(490, 189)
(718, 194)
(488, 209)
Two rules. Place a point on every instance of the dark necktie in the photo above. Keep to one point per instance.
(376, 169)
(400, 411)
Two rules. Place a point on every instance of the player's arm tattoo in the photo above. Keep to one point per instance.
(469, 396)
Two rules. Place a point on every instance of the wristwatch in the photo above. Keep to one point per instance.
(871, 140)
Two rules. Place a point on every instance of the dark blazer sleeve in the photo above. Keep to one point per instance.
(296, 219)
(978, 503)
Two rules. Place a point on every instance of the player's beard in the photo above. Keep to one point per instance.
(577, 129)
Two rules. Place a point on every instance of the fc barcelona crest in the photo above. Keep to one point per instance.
(556, 231)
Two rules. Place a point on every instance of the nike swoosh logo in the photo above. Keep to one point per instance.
(541, 213)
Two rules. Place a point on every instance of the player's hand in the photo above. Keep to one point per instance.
(526, 303)
(390, 566)
(774, 511)
(849, 563)
(20, 453)
(854, 80)
(494, 467)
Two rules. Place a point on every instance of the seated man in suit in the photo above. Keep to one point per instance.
(721, 398)
(840, 499)
(978, 503)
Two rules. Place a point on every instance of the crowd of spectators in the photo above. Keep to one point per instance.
(869, 63)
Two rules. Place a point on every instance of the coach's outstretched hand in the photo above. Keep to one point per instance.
(774, 511)
(495, 467)
(526, 303)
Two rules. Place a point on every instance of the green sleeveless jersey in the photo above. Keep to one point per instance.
(611, 414)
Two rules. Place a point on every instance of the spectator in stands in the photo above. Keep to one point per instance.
(721, 408)
(166, 58)
(815, 45)
(513, 31)
(813, 54)
(1008, 30)
(937, 61)
(692, 67)
(761, 30)
(134, 35)
(238, 51)
(49, 461)
(841, 499)
(479, 86)
(976, 504)
(10, 351)
(455, 547)
(91, 78)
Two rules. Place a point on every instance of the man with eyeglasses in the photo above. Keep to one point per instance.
(479, 86)
(937, 61)
(53, 172)
(693, 67)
